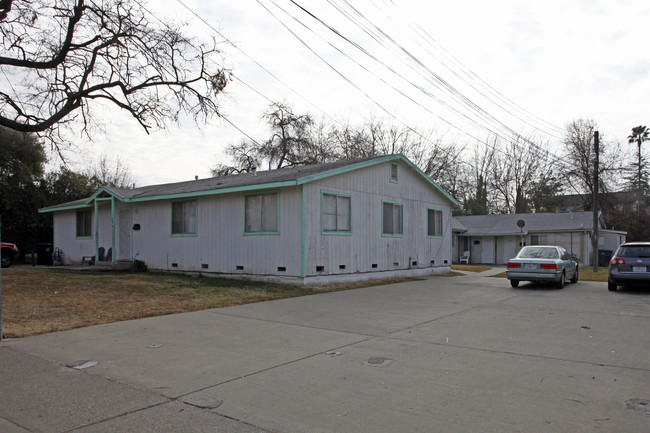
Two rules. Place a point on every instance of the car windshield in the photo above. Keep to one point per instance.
(634, 251)
(538, 253)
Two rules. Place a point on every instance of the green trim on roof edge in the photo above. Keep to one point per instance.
(255, 187)
(62, 208)
(371, 163)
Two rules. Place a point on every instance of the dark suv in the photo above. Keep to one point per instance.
(9, 253)
(630, 265)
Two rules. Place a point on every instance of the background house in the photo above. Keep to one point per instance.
(494, 239)
(343, 221)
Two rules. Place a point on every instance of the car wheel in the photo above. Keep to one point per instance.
(514, 283)
(562, 281)
(7, 260)
(574, 279)
(611, 286)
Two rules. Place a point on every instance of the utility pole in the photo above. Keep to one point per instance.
(0, 285)
(594, 232)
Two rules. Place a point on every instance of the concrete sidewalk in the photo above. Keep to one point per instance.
(453, 354)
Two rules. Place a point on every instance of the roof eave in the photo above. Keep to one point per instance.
(63, 208)
(370, 163)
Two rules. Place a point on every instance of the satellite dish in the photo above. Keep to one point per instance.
(521, 224)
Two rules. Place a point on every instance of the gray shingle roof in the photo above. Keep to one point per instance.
(270, 178)
(234, 180)
(493, 225)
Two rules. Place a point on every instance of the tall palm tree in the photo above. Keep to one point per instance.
(639, 135)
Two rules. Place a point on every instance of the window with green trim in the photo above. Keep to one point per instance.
(335, 209)
(393, 219)
(434, 222)
(84, 224)
(393, 172)
(261, 213)
(184, 217)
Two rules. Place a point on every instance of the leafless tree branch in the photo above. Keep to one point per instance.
(59, 56)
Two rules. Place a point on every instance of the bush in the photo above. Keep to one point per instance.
(140, 266)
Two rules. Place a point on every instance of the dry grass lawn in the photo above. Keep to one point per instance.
(41, 300)
(470, 268)
(585, 274)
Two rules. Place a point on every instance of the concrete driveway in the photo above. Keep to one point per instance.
(447, 354)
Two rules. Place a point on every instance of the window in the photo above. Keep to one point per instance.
(393, 172)
(538, 240)
(184, 218)
(538, 253)
(434, 222)
(335, 210)
(84, 224)
(393, 219)
(261, 213)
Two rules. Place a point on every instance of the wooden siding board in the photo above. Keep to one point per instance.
(221, 245)
(65, 225)
(366, 246)
(220, 242)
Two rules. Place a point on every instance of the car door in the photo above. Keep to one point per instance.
(568, 264)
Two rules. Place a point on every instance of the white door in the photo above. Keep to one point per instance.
(509, 248)
(487, 250)
(126, 222)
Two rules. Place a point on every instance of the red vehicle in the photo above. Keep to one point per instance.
(9, 252)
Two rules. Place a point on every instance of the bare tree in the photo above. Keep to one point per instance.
(579, 169)
(352, 142)
(290, 142)
(110, 172)
(519, 163)
(442, 161)
(297, 140)
(244, 156)
(477, 198)
(323, 146)
(62, 58)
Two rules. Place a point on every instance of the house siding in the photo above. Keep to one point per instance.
(220, 244)
(365, 246)
(299, 251)
(74, 249)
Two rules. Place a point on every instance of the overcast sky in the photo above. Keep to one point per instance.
(531, 67)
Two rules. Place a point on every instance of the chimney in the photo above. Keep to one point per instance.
(196, 178)
(254, 170)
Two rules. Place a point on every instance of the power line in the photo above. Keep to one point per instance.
(424, 91)
(471, 75)
(421, 64)
(275, 77)
(444, 84)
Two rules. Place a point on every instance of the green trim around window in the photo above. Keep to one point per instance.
(394, 172)
(195, 233)
(394, 203)
(442, 222)
(86, 231)
(265, 232)
(322, 214)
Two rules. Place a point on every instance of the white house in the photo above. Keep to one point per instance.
(494, 239)
(343, 221)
